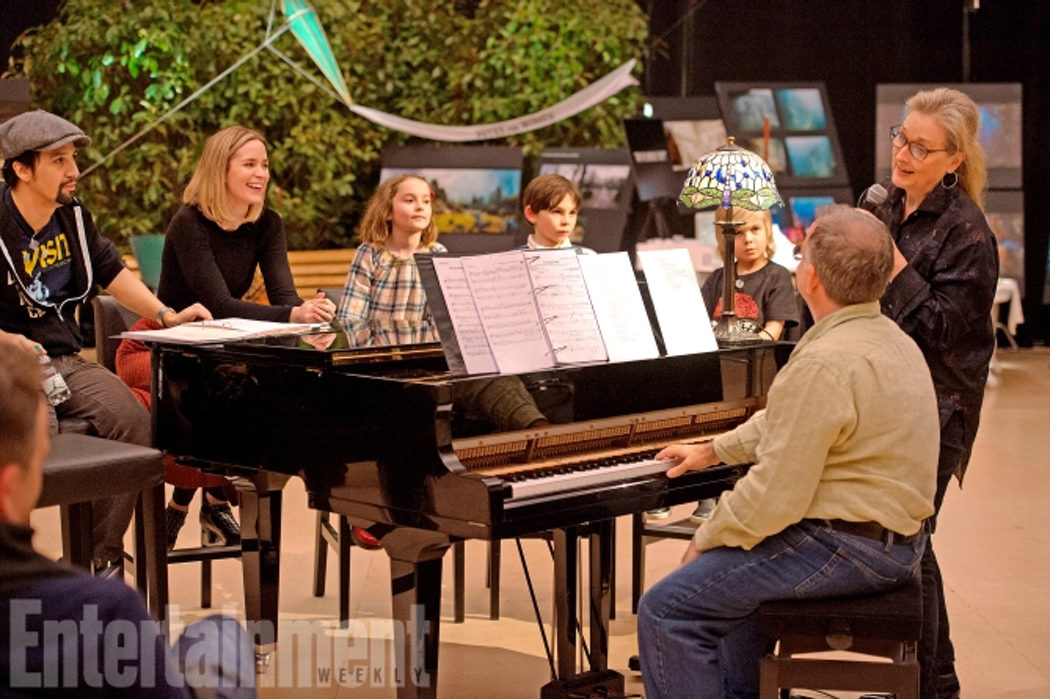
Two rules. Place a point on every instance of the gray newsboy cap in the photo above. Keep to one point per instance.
(38, 130)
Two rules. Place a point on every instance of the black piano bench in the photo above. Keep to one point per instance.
(80, 469)
(886, 625)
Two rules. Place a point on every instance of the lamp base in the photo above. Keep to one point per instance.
(730, 332)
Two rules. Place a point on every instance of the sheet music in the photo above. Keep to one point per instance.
(680, 310)
(223, 330)
(470, 334)
(503, 296)
(618, 306)
(565, 306)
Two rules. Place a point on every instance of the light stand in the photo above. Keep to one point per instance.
(729, 331)
(727, 178)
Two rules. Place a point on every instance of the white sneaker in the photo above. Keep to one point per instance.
(658, 513)
(703, 510)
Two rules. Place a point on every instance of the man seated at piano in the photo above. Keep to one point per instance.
(217, 239)
(844, 471)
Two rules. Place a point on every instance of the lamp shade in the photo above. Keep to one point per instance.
(730, 176)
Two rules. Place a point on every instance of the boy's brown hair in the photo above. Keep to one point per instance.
(547, 191)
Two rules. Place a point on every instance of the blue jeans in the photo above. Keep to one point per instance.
(696, 631)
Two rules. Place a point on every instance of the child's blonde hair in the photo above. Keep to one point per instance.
(767, 222)
(375, 224)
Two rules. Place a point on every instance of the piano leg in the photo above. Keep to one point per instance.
(566, 572)
(459, 588)
(601, 562)
(260, 557)
(416, 588)
(566, 568)
(598, 680)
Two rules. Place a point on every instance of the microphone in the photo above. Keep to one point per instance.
(871, 197)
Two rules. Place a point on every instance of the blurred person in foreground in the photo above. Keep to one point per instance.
(67, 632)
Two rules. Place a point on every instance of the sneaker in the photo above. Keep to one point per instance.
(218, 526)
(658, 513)
(108, 569)
(173, 521)
(365, 539)
(948, 685)
(703, 510)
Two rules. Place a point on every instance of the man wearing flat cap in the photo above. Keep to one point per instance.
(51, 259)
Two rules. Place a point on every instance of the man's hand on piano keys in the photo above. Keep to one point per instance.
(690, 457)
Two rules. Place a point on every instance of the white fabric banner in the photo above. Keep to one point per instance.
(593, 94)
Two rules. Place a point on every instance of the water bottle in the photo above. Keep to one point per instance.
(55, 387)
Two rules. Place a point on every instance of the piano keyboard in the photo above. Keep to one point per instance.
(534, 483)
(574, 456)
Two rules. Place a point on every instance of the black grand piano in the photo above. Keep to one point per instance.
(388, 438)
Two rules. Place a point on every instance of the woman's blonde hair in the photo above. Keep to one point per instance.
(767, 222)
(375, 224)
(207, 187)
(961, 119)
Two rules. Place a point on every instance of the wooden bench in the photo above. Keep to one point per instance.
(884, 624)
(311, 270)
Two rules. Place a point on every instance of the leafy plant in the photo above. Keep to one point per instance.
(115, 66)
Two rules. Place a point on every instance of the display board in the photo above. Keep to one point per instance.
(605, 181)
(790, 125)
(1005, 211)
(1000, 106)
(477, 191)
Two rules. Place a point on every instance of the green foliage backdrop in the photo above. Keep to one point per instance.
(114, 66)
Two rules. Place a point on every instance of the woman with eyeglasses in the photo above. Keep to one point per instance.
(945, 273)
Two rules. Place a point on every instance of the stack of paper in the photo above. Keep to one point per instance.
(225, 330)
(528, 310)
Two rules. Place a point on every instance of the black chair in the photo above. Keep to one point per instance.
(887, 625)
(111, 319)
(81, 468)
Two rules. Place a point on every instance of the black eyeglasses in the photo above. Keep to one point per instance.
(918, 152)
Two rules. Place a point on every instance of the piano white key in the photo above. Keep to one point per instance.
(543, 485)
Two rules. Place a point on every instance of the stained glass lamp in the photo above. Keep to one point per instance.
(730, 177)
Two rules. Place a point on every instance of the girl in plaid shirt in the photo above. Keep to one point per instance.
(383, 301)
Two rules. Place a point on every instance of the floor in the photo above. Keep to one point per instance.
(993, 547)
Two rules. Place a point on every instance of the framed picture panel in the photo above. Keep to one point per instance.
(1005, 212)
(477, 191)
(1000, 105)
(790, 125)
(605, 181)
